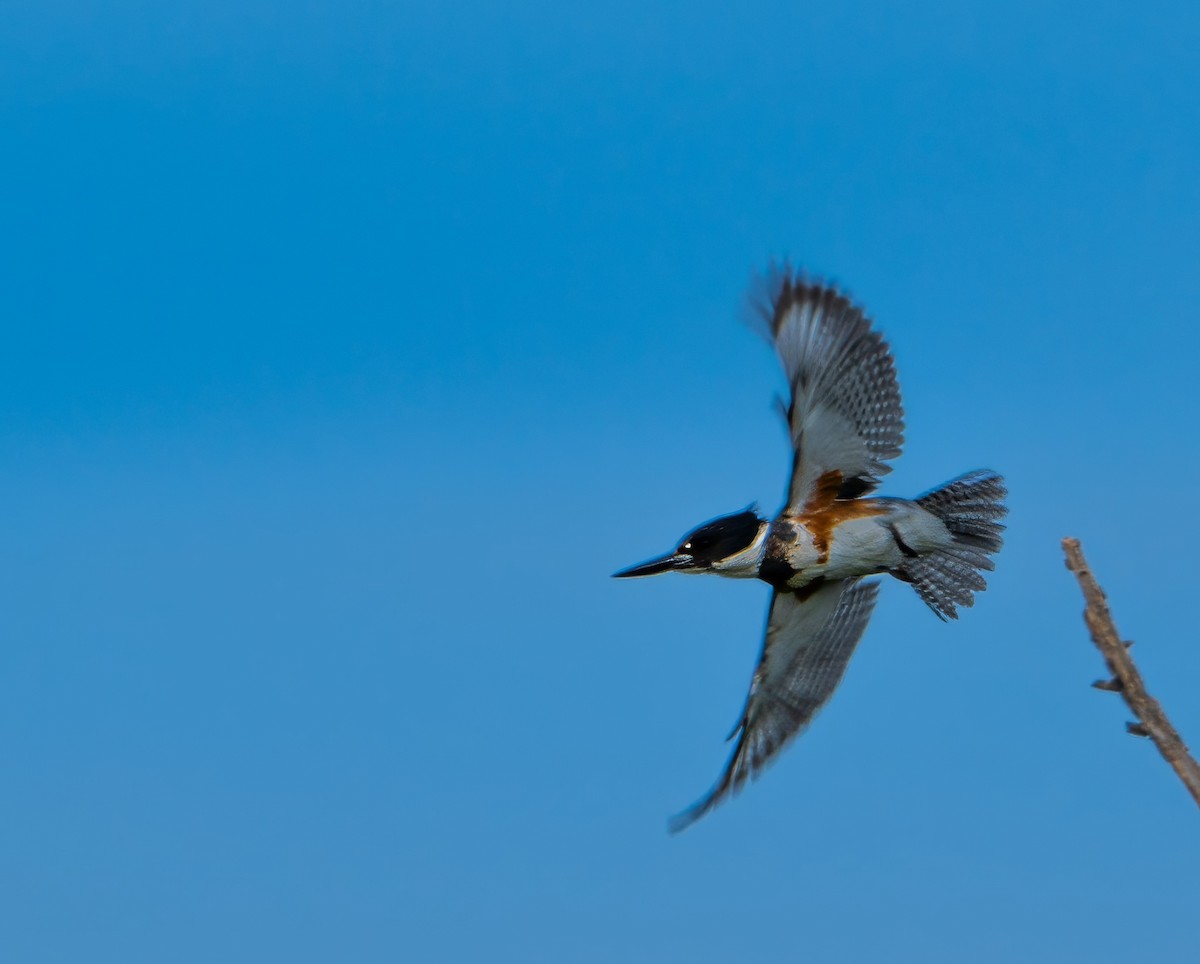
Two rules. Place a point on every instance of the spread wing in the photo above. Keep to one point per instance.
(845, 414)
(810, 639)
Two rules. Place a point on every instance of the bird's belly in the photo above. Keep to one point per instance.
(855, 547)
(860, 547)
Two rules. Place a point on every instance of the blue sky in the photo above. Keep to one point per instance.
(350, 347)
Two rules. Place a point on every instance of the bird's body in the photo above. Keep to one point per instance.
(849, 538)
(845, 422)
(858, 537)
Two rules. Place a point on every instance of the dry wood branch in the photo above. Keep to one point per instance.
(1126, 679)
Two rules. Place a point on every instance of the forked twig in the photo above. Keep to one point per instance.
(1126, 679)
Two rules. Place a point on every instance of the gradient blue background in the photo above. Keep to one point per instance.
(348, 348)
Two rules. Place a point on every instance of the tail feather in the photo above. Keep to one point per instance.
(970, 507)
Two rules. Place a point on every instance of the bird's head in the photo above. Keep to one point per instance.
(731, 545)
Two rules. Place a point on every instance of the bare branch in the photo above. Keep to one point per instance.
(1126, 679)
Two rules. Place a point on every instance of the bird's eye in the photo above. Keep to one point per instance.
(686, 545)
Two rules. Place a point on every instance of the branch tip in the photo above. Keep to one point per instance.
(1151, 721)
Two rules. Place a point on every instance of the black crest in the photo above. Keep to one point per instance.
(722, 537)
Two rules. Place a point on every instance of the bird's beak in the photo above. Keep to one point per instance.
(675, 560)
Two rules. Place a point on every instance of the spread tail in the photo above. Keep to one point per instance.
(970, 508)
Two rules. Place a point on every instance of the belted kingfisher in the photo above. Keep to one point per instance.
(845, 421)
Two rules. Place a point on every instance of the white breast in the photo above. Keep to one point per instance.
(867, 544)
(860, 547)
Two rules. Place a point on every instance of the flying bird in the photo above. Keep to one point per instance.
(846, 423)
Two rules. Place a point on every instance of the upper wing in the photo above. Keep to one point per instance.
(808, 645)
(845, 414)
